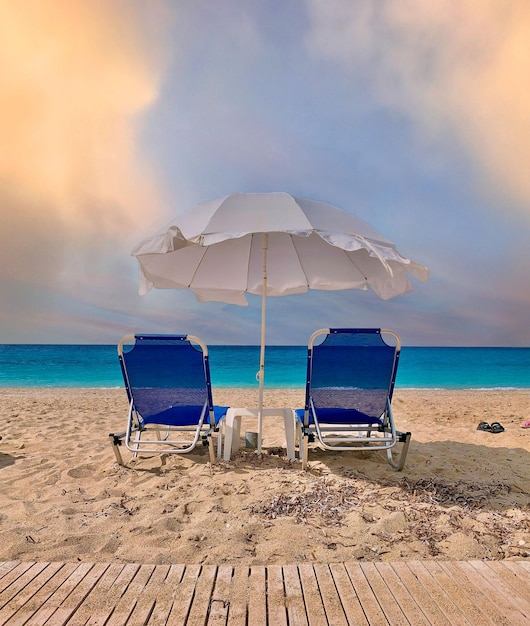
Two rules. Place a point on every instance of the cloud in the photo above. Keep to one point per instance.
(77, 77)
(458, 69)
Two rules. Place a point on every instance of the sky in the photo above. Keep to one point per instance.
(118, 116)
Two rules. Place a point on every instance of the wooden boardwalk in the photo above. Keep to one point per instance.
(373, 593)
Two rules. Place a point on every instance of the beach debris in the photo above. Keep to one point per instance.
(432, 509)
(462, 493)
(322, 499)
(333, 500)
(128, 510)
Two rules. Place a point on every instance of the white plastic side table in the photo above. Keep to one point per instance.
(233, 428)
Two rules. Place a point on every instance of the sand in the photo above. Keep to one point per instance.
(463, 494)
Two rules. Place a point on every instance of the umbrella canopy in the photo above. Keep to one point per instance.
(271, 244)
(216, 251)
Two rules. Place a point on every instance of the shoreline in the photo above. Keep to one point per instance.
(463, 493)
(248, 389)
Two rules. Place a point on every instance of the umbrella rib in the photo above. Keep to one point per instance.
(344, 252)
(206, 248)
(377, 254)
(248, 259)
(370, 248)
(350, 259)
(291, 237)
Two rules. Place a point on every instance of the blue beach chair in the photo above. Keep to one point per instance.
(167, 379)
(349, 386)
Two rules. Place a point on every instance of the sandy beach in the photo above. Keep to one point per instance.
(463, 494)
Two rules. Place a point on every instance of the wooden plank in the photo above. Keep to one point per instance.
(316, 613)
(106, 604)
(502, 601)
(501, 587)
(60, 587)
(38, 600)
(15, 607)
(468, 608)
(20, 587)
(515, 580)
(294, 598)
(399, 591)
(420, 594)
(147, 598)
(348, 596)
(276, 602)
(147, 592)
(77, 595)
(391, 608)
(438, 594)
(99, 594)
(183, 596)
(126, 604)
(8, 597)
(524, 564)
(220, 602)
(257, 600)
(371, 607)
(239, 596)
(203, 594)
(330, 596)
(470, 583)
(521, 572)
(9, 581)
(165, 597)
(6, 567)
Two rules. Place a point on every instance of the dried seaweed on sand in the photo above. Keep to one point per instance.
(433, 508)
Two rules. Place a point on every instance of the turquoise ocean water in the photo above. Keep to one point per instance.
(236, 366)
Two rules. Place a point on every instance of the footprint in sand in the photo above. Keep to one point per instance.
(85, 471)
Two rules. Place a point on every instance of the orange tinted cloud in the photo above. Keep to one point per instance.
(460, 69)
(76, 77)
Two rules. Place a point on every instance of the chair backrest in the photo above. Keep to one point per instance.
(166, 372)
(352, 368)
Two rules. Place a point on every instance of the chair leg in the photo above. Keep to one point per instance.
(116, 442)
(305, 450)
(211, 450)
(405, 440)
(220, 443)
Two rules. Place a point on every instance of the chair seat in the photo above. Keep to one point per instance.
(182, 415)
(339, 416)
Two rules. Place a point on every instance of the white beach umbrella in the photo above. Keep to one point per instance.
(271, 244)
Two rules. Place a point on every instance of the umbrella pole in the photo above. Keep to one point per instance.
(261, 372)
